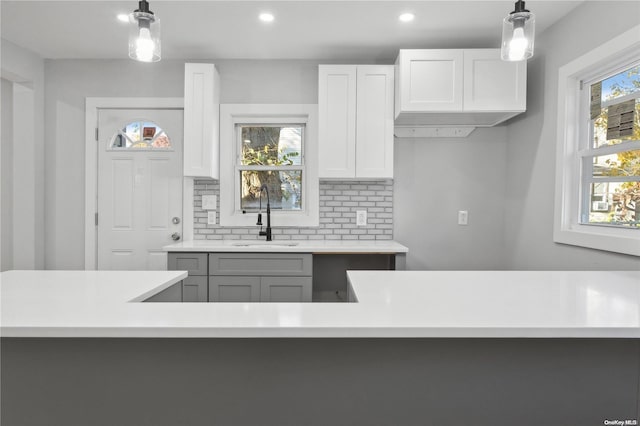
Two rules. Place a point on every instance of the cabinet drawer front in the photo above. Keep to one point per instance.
(263, 264)
(195, 263)
(234, 289)
(285, 289)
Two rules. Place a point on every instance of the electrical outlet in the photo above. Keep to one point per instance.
(463, 217)
(211, 218)
(209, 202)
(361, 218)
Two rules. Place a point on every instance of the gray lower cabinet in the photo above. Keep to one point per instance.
(285, 289)
(234, 289)
(260, 277)
(247, 288)
(194, 287)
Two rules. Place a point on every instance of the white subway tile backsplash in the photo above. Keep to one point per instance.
(339, 201)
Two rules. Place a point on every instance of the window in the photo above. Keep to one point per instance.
(610, 183)
(140, 135)
(271, 155)
(598, 157)
(272, 145)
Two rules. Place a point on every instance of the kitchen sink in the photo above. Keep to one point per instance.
(265, 244)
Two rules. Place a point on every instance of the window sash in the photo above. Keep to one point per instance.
(586, 152)
(239, 167)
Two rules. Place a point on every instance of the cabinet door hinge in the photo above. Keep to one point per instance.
(581, 84)
(96, 219)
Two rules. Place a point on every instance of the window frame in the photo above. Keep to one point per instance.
(573, 97)
(232, 115)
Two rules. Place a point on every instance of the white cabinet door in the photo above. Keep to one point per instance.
(285, 289)
(374, 116)
(491, 84)
(337, 121)
(201, 121)
(356, 121)
(430, 80)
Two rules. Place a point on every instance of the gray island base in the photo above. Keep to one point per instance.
(428, 381)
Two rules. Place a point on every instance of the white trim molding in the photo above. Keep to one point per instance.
(92, 105)
(232, 114)
(567, 228)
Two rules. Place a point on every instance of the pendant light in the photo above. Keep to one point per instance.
(144, 34)
(518, 29)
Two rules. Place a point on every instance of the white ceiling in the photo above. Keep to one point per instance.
(303, 29)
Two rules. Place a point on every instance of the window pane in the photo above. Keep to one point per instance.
(621, 127)
(271, 145)
(625, 163)
(615, 203)
(621, 84)
(141, 135)
(285, 189)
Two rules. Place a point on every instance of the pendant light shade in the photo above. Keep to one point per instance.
(144, 34)
(518, 31)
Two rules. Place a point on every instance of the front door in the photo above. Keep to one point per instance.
(139, 187)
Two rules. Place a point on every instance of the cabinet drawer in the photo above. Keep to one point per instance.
(285, 289)
(195, 263)
(234, 289)
(262, 264)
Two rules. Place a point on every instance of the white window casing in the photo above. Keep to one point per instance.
(233, 114)
(621, 50)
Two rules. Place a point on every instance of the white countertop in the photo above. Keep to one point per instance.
(476, 304)
(289, 246)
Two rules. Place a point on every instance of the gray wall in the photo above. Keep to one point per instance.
(434, 179)
(6, 182)
(532, 144)
(23, 76)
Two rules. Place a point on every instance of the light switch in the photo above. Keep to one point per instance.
(211, 218)
(209, 202)
(463, 217)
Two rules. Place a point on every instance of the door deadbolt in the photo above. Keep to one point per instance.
(175, 220)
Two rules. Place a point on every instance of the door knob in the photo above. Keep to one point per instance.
(175, 236)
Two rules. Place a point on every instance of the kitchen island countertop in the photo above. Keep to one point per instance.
(441, 304)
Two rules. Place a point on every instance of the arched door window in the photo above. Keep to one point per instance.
(141, 135)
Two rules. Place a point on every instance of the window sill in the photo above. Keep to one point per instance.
(626, 241)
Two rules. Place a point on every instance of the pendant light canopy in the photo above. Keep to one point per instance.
(518, 30)
(144, 34)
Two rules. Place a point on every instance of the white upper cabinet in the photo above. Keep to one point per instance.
(491, 84)
(429, 80)
(201, 121)
(356, 121)
(458, 87)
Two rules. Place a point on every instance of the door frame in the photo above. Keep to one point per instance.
(92, 106)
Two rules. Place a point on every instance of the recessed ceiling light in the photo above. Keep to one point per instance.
(406, 17)
(123, 17)
(266, 17)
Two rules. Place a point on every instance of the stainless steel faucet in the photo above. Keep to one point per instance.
(266, 233)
